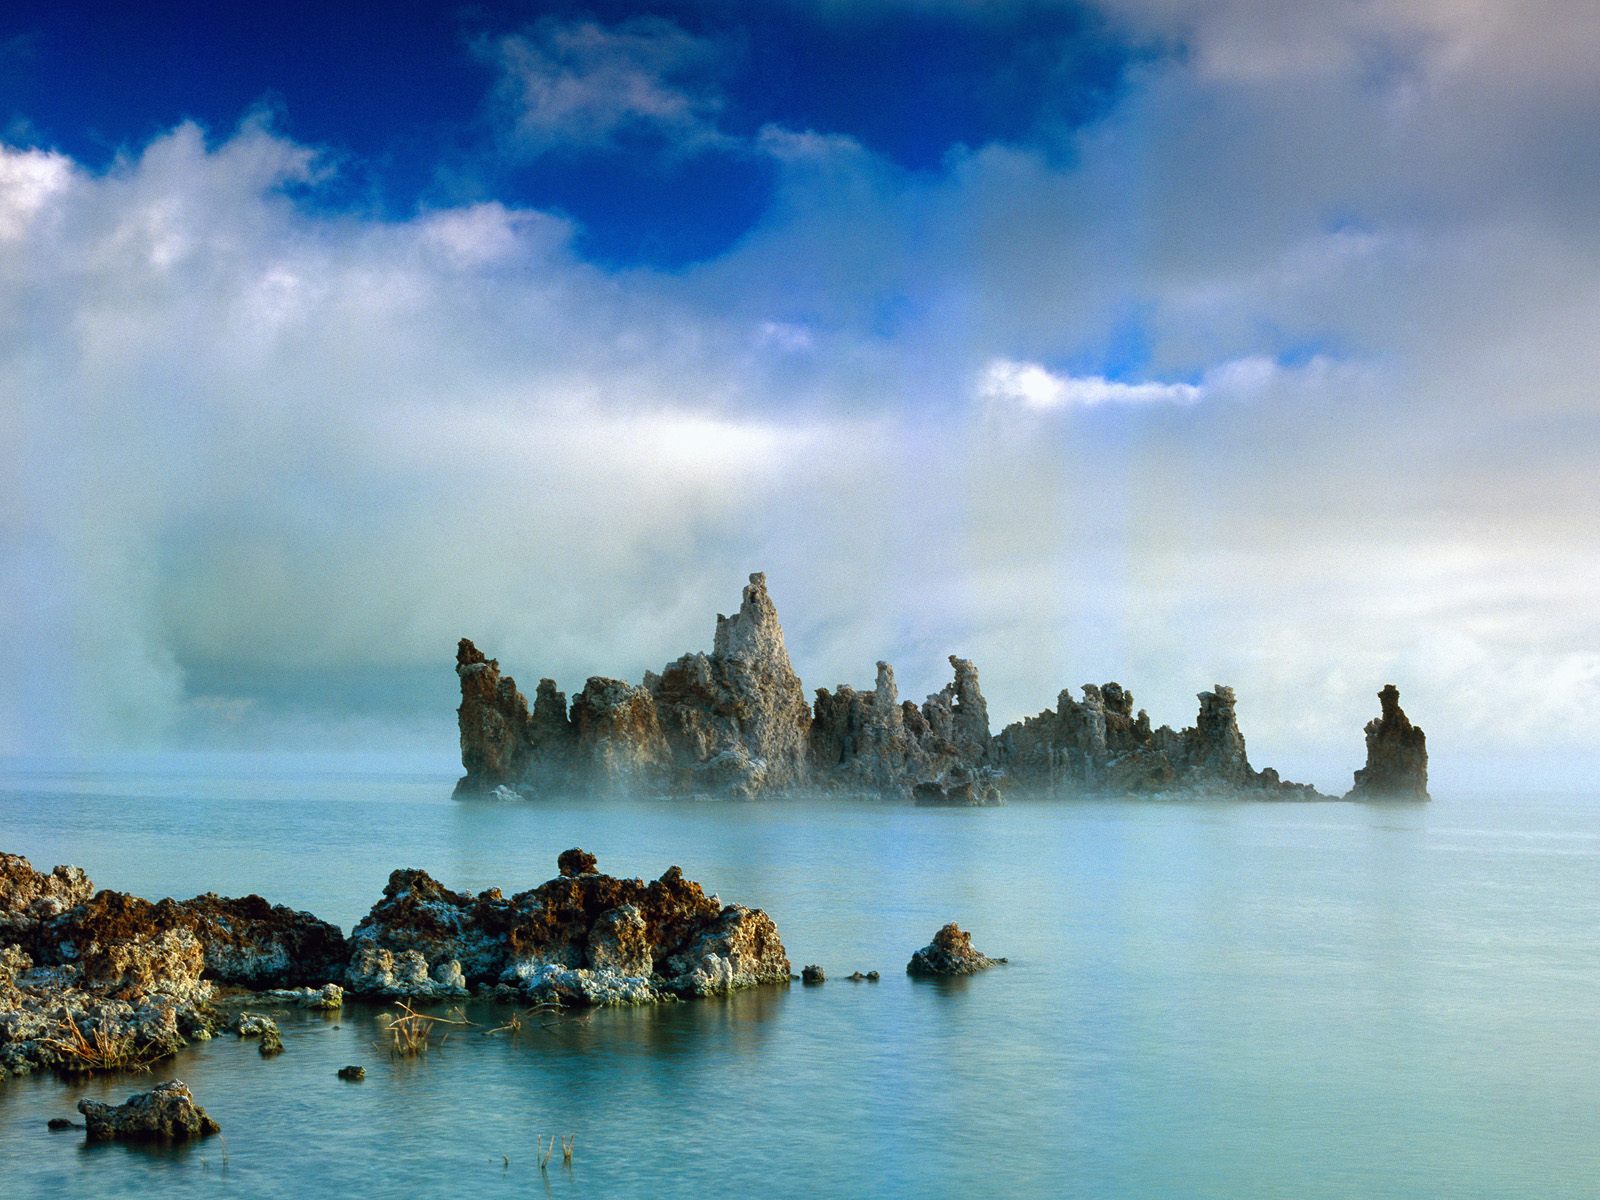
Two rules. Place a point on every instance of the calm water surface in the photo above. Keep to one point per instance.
(1206, 1000)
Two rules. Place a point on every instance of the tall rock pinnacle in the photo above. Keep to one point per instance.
(1397, 755)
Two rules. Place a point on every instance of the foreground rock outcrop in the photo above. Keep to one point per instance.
(103, 981)
(735, 723)
(949, 954)
(1397, 755)
(582, 938)
(166, 1113)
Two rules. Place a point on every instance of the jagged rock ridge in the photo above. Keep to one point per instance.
(735, 722)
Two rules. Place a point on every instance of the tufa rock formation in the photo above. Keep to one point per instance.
(115, 982)
(949, 954)
(735, 723)
(1098, 744)
(166, 1113)
(1397, 755)
(582, 938)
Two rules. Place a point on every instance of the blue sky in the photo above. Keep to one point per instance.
(1170, 341)
(401, 93)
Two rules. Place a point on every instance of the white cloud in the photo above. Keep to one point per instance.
(1033, 386)
(243, 437)
(29, 179)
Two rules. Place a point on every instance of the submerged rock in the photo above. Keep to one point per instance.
(1397, 755)
(950, 953)
(328, 998)
(583, 938)
(352, 1074)
(167, 1112)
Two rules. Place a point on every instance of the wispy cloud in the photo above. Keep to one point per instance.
(1033, 386)
(584, 85)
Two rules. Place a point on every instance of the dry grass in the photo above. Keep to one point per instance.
(410, 1033)
(101, 1050)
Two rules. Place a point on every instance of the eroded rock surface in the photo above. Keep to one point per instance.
(950, 953)
(1100, 744)
(102, 980)
(167, 1112)
(582, 938)
(1397, 755)
(734, 722)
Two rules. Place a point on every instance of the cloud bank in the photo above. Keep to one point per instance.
(1278, 374)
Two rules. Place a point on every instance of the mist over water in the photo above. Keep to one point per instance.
(1204, 999)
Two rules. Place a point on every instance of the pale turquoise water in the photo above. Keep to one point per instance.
(1209, 1000)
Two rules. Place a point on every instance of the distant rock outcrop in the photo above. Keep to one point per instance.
(1397, 755)
(734, 722)
(938, 753)
(1098, 744)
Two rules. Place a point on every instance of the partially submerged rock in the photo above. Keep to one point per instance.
(813, 974)
(327, 998)
(167, 1112)
(1397, 755)
(950, 953)
(582, 938)
(263, 1028)
(352, 1074)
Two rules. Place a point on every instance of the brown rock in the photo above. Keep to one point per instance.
(583, 937)
(167, 1112)
(950, 953)
(496, 727)
(1397, 755)
(577, 862)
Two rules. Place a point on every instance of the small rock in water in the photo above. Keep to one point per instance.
(950, 953)
(858, 977)
(353, 1074)
(872, 977)
(57, 1124)
(167, 1112)
(813, 974)
(252, 1025)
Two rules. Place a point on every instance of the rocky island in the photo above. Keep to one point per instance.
(735, 722)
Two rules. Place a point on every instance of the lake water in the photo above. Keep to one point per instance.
(1203, 1000)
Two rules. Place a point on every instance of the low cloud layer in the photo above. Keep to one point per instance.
(1276, 375)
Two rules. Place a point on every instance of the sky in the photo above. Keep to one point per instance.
(1176, 342)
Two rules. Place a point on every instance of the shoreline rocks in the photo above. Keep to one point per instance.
(116, 982)
(735, 723)
(949, 954)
